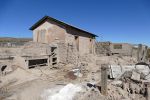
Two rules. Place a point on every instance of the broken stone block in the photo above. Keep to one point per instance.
(135, 76)
(117, 83)
(143, 69)
(115, 71)
(77, 72)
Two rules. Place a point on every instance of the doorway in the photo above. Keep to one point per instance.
(77, 42)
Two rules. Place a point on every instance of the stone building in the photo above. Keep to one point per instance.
(50, 30)
(69, 42)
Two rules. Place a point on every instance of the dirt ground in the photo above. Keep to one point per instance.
(30, 84)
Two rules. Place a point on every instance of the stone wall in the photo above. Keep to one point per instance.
(10, 51)
(35, 49)
(10, 44)
(67, 53)
(125, 49)
(103, 48)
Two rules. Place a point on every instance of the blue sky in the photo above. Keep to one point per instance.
(112, 20)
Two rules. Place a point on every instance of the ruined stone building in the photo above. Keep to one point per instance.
(109, 48)
(138, 51)
(124, 49)
(64, 43)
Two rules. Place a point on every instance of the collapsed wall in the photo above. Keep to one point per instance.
(7, 55)
(49, 54)
(123, 49)
(103, 48)
(138, 51)
(39, 54)
(67, 53)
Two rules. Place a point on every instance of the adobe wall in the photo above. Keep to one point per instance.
(53, 33)
(84, 41)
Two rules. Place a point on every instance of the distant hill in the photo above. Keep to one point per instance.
(11, 39)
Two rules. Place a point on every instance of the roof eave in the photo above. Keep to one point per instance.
(37, 23)
(47, 17)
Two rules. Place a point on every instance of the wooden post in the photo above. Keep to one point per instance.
(147, 87)
(48, 61)
(148, 93)
(139, 53)
(145, 54)
(27, 64)
(104, 77)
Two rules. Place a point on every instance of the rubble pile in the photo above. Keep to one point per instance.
(131, 85)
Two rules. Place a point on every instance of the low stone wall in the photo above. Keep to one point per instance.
(10, 51)
(11, 44)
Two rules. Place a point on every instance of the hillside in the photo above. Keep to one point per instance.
(11, 39)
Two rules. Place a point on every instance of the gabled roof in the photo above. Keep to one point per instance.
(46, 18)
